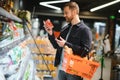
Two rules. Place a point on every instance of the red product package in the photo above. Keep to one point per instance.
(48, 23)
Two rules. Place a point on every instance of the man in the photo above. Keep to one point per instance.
(76, 35)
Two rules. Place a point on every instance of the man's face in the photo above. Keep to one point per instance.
(68, 14)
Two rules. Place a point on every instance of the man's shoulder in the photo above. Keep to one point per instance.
(64, 27)
(82, 25)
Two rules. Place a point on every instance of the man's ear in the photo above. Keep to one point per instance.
(74, 11)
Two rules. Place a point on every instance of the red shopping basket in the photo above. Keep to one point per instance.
(76, 65)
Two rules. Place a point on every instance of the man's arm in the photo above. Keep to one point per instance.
(53, 41)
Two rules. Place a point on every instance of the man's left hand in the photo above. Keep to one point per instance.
(60, 42)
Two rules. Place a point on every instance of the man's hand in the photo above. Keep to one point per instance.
(48, 26)
(60, 42)
(68, 50)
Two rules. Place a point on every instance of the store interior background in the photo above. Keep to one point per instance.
(102, 22)
(107, 19)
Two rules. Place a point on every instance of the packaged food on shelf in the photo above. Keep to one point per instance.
(16, 60)
(44, 56)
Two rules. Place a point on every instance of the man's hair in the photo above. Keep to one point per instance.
(72, 6)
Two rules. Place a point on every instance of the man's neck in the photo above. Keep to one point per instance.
(75, 20)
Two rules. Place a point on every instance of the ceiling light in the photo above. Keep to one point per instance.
(118, 11)
(51, 6)
(48, 4)
(53, 2)
(104, 5)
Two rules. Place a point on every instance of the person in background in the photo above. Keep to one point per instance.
(76, 35)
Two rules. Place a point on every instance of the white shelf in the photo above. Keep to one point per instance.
(8, 15)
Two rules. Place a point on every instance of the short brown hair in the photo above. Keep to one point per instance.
(72, 6)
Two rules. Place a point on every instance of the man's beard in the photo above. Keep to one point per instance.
(69, 19)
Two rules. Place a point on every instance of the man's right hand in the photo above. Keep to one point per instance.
(48, 26)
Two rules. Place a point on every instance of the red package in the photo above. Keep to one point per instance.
(48, 23)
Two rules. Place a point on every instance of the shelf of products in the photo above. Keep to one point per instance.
(16, 61)
(8, 15)
(44, 57)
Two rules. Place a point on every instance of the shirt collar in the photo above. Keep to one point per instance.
(78, 24)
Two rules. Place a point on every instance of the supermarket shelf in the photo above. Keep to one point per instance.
(6, 47)
(8, 15)
(48, 58)
(43, 51)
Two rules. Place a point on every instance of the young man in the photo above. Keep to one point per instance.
(76, 35)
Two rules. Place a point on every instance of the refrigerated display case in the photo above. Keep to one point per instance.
(16, 61)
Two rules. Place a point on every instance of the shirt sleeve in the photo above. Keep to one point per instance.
(52, 40)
